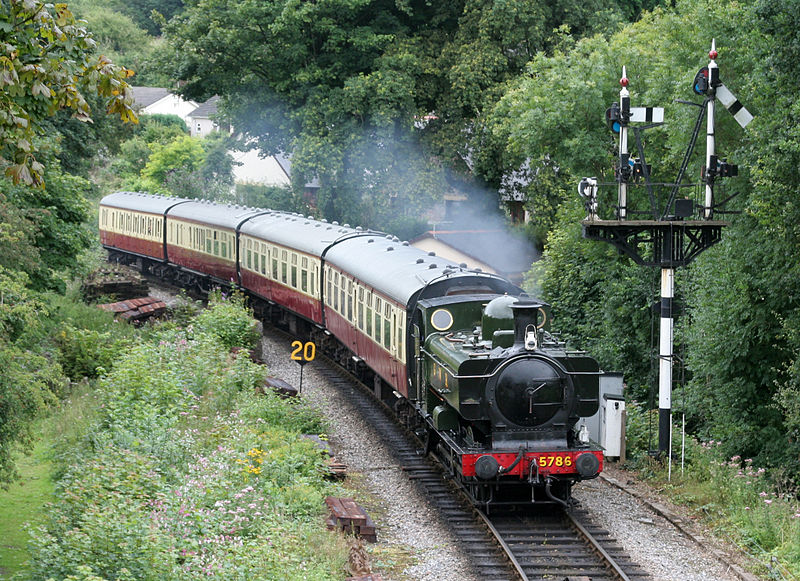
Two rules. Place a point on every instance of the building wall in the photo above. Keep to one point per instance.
(200, 127)
(450, 253)
(172, 105)
(257, 170)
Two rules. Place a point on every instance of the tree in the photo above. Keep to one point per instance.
(49, 63)
(362, 91)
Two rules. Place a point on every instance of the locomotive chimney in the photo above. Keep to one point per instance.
(527, 315)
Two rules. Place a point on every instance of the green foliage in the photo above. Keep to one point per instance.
(188, 473)
(742, 501)
(274, 197)
(123, 40)
(86, 353)
(181, 154)
(386, 103)
(49, 63)
(52, 229)
(228, 320)
(19, 308)
(29, 385)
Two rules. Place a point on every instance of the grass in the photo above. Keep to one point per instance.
(739, 502)
(22, 503)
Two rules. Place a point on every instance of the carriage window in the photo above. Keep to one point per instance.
(216, 244)
(361, 316)
(304, 274)
(249, 259)
(336, 292)
(274, 267)
(387, 333)
(369, 321)
(399, 339)
(294, 276)
(377, 327)
(263, 264)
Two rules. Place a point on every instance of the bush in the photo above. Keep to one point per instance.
(86, 353)
(228, 319)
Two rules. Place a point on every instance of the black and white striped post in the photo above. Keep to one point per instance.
(713, 81)
(622, 178)
(716, 90)
(665, 340)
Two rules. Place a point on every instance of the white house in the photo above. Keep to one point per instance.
(201, 121)
(250, 167)
(156, 100)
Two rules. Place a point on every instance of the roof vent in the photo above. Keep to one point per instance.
(463, 265)
(347, 225)
(324, 220)
(335, 223)
(420, 260)
(405, 242)
(478, 270)
(370, 241)
(431, 253)
(432, 266)
(390, 249)
(317, 225)
(359, 229)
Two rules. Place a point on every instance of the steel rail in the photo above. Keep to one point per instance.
(506, 549)
(616, 569)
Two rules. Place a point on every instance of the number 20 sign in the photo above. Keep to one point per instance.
(303, 352)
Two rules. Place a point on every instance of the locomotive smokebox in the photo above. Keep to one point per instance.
(529, 318)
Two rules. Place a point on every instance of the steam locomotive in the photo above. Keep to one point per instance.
(465, 358)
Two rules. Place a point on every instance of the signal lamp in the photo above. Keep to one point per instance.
(700, 85)
(613, 118)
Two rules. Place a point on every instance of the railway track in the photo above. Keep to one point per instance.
(535, 544)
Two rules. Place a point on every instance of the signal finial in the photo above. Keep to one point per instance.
(624, 80)
(712, 54)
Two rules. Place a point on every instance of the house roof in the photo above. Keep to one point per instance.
(504, 251)
(146, 96)
(286, 164)
(206, 110)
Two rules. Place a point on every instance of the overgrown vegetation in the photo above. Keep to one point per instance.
(183, 471)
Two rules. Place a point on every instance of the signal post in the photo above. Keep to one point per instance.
(674, 234)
